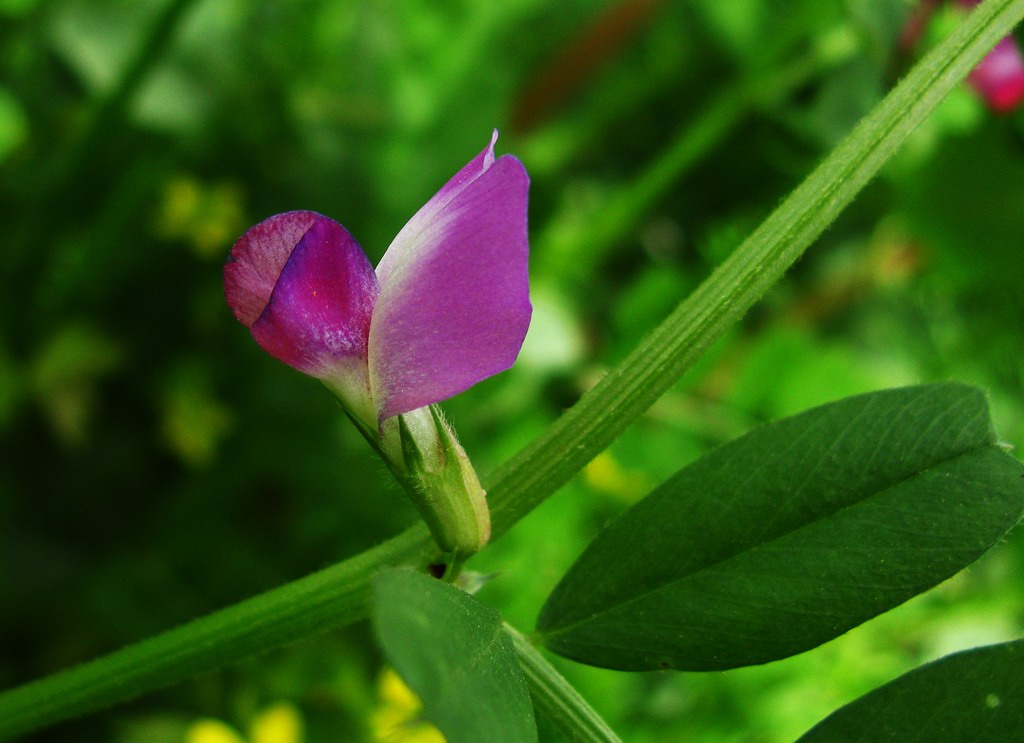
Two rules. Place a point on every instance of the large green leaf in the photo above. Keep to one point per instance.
(976, 695)
(453, 653)
(791, 535)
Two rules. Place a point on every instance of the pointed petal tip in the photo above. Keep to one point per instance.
(457, 309)
(488, 152)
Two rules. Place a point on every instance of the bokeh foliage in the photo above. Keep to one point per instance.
(157, 465)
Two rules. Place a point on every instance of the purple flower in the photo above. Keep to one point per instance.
(447, 306)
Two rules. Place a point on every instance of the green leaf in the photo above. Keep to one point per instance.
(791, 535)
(974, 695)
(453, 653)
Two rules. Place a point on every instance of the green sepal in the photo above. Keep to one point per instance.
(443, 485)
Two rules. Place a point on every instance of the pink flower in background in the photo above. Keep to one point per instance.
(999, 77)
(447, 306)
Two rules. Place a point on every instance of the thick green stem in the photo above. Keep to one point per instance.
(556, 699)
(331, 598)
(337, 596)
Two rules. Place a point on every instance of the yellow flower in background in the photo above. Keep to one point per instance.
(605, 474)
(397, 719)
(212, 731)
(279, 723)
(207, 216)
(193, 419)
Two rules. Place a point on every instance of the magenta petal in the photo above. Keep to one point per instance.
(454, 303)
(318, 316)
(256, 261)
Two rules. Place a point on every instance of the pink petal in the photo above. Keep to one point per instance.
(454, 303)
(318, 316)
(256, 261)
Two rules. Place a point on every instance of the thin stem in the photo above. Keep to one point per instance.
(338, 595)
(623, 212)
(556, 699)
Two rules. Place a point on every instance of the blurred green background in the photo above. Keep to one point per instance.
(157, 465)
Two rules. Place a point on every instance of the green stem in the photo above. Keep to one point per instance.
(330, 598)
(337, 596)
(556, 699)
